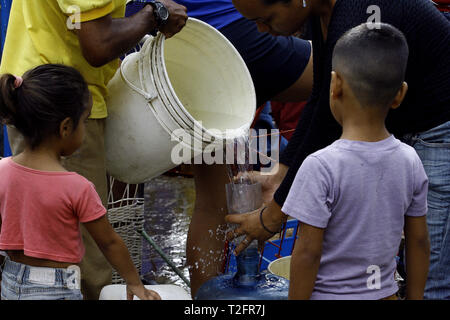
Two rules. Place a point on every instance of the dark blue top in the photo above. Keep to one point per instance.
(218, 13)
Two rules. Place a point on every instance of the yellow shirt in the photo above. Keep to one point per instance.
(43, 31)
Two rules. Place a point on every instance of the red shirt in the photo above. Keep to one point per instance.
(41, 210)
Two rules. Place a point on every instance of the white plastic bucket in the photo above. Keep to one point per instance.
(165, 291)
(195, 77)
(280, 267)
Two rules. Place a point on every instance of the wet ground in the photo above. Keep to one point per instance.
(168, 207)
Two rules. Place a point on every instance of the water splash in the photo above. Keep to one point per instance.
(240, 169)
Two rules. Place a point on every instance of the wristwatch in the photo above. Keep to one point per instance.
(161, 15)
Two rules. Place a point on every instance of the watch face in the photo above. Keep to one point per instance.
(162, 11)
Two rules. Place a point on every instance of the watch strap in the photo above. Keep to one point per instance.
(157, 19)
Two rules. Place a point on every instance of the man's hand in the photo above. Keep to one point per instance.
(105, 39)
(249, 224)
(177, 18)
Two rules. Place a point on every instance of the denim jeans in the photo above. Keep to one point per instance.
(433, 148)
(22, 282)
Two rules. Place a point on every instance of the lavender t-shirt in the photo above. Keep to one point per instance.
(359, 192)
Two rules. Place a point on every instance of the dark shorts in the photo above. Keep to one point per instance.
(275, 63)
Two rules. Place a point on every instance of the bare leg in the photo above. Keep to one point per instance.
(206, 236)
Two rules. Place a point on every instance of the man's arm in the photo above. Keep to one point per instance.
(417, 247)
(105, 39)
(305, 262)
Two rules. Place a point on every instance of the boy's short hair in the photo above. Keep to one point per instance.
(372, 58)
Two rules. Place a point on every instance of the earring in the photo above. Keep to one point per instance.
(304, 3)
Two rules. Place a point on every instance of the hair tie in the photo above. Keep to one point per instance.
(18, 82)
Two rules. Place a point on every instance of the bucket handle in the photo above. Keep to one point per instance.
(148, 96)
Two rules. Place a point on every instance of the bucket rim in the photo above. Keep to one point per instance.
(185, 119)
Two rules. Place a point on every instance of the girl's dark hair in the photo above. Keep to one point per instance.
(49, 94)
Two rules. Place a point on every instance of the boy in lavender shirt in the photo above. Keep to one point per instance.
(355, 197)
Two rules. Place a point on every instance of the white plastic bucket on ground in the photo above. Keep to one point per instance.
(195, 76)
(166, 292)
(280, 267)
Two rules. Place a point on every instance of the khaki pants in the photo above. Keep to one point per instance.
(88, 161)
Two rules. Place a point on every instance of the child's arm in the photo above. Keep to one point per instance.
(118, 256)
(417, 247)
(305, 262)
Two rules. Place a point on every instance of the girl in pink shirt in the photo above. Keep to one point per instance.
(41, 203)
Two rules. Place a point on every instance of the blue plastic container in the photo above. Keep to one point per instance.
(247, 283)
(271, 251)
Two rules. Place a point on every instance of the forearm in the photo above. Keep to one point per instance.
(302, 281)
(125, 33)
(417, 255)
(417, 263)
(112, 38)
(118, 256)
(276, 216)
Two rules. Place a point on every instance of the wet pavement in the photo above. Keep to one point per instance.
(168, 207)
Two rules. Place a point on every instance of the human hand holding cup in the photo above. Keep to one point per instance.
(260, 225)
(242, 200)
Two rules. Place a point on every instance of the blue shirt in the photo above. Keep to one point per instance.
(218, 13)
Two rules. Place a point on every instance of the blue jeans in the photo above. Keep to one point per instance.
(22, 282)
(433, 148)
